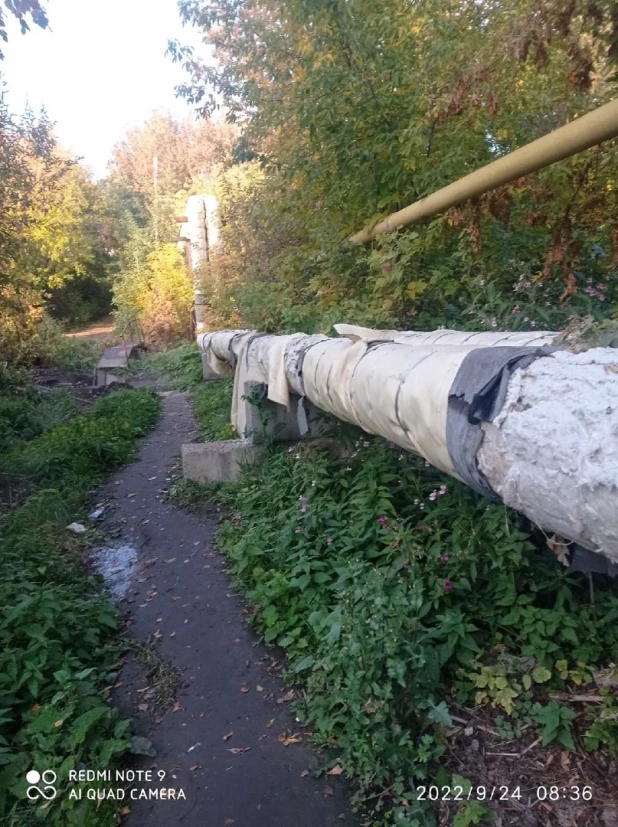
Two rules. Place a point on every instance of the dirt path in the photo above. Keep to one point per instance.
(179, 591)
(100, 331)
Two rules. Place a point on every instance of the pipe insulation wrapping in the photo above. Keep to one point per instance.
(512, 417)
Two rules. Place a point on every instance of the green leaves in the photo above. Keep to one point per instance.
(541, 674)
(360, 605)
(440, 714)
(555, 720)
(57, 634)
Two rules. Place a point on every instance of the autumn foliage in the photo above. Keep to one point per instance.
(352, 109)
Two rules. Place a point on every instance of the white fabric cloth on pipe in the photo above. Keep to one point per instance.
(260, 358)
(522, 338)
(391, 389)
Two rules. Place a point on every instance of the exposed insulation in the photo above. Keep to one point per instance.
(552, 451)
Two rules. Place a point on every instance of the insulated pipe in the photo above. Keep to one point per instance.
(581, 133)
(533, 427)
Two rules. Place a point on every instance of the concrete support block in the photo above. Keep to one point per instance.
(273, 421)
(217, 461)
(103, 377)
(208, 373)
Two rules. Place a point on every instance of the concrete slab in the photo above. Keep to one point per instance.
(218, 461)
(114, 357)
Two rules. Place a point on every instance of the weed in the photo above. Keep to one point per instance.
(212, 402)
(181, 367)
(396, 590)
(58, 635)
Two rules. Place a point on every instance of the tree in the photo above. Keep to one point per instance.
(185, 152)
(23, 10)
(57, 238)
(356, 108)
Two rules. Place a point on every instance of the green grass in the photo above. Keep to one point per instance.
(181, 368)
(397, 592)
(58, 635)
(212, 402)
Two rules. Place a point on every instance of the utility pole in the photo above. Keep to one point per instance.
(155, 170)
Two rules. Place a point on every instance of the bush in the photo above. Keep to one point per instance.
(396, 590)
(158, 292)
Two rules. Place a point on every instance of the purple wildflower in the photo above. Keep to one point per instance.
(448, 585)
(382, 520)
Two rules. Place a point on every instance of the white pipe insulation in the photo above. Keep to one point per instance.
(514, 418)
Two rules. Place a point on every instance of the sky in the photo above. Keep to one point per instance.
(99, 69)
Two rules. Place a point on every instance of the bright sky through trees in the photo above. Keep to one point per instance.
(99, 69)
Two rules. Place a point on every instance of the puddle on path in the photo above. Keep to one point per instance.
(116, 564)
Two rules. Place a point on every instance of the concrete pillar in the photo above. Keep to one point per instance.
(268, 420)
(208, 373)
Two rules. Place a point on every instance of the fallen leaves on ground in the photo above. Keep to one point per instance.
(270, 723)
(289, 696)
(335, 770)
(228, 736)
(238, 750)
(177, 707)
(291, 739)
(244, 688)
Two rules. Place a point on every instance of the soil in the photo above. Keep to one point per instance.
(229, 739)
(531, 785)
(103, 330)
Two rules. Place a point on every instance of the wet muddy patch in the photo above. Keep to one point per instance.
(117, 565)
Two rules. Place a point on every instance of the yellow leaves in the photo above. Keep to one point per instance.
(291, 739)
(415, 288)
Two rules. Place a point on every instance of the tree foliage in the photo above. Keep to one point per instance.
(23, 10)
(187, 154)
(56, 235)
(355, 108)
